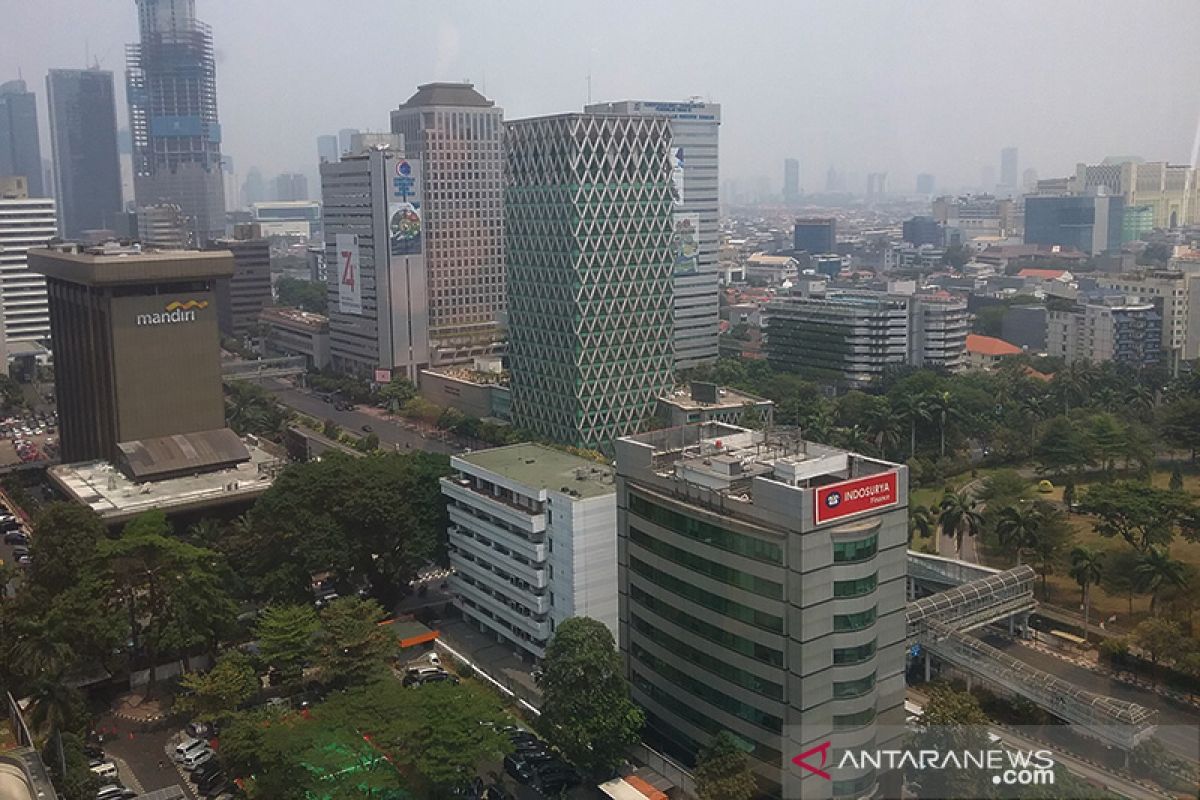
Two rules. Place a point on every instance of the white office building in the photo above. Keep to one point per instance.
(533, 541)
(374, 246)
(695, 129)
(24, 223)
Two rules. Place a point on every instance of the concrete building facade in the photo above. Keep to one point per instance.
(1176, 294)
(695, 152)
(83, 138)
(171, 86)
(242, 297)
(20, 147)
(815, 235)
(589, 205)
(1089, 223)
(533, 541)
(459, 134)
(1124, 332)
(1171, 190)
(25, 223)
(292, 332)
(375, 245)
(762, 586)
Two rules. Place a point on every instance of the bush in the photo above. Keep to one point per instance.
(1115, 650)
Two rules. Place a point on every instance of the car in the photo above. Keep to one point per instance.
(115, 792)
(16, 537)
(211, 781)
(520, 771)
(438, 677)
(197, 758)
(220, 787)
(20, 551)
(188, 746)
(105, 770)
(367, 428)
(204, 770)
(201, 730)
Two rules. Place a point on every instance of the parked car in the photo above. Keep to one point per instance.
(520, 771)
(105, 770)
(197, 758)
(187, 747)
(115, 792)
(201, 730)
(204, 770)
(16, 537)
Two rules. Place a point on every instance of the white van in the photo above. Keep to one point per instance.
(197, 757)
(105, 771)
(187, 747)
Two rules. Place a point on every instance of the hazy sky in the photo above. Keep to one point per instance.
(902, 86)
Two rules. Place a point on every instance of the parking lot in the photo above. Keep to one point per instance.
(27, 438)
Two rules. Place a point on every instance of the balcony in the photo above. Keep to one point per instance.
(535, 576)
(538, 629)
(500, 585)
(532, 549)
(524, 519)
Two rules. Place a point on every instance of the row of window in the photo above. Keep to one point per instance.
(853, 655)
(708, 693)
(706, 532)
(719, 572)
(854, 622)
(714, 634)
(706, 661)
(843, 690)
(857, 550)
(843, 722)
(856, 588)
(722, 605)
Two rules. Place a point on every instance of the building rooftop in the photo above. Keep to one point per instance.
(544, 467)
(684, 397)
(1045, 274)
(990, 346)
(296, 315)
(116, 265)
(101, 486)
(447, 94)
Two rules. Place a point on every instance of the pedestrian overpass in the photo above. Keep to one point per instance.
(971, 597)
(263, 368)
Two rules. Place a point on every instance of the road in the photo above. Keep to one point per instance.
(1178, 725)
(1083, 769)
(389, 432)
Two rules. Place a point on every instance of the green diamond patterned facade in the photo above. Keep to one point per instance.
(588, 230)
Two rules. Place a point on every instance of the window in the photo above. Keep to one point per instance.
(722, 605)
(719, 572)
(854, 655)
(731, 641)
(708, 693)
(706, 532)
(847, 689)
(854, 788)
(842, 722)
(854, 622)
(856, 550)
(707, 661)
(855, 588)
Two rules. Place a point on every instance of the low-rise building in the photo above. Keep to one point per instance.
(771, 270)
(938, 328)
(1121, 331)
(1176, 292)
(292, 332)
(707, 402)
(242, 297)
(985, 352)
(478, 391)
(533, 541)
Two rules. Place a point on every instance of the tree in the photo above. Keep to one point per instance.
(1176, 484)
(942, 408)
(1109, 440)
(1061, 447)
(63, 546)
(331, 429)
(306, 295)
(1120, 564)
(174, 593)
(958, 517)
(353, 648)
(1051, 540)
(1179, 423)
(751, 417)
(921, 522)
(55, 706)
(396, 393)
(1158, 638)
(586, 711)
(1156, 570)
(222, 690)
(913, 410)
(1017, 528)
(68, 764)
(723, 770)
(951, 721)
(367, 444)
(1004, 487)
(1069, 495)
(1141, 515)
(1087, 568)
(285, 639)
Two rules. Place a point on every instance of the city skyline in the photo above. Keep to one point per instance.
(858, 115)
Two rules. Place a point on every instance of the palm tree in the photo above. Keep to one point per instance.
(54, 706)
(921, 522)
(1154, 570)
(1140, 397)
(1017, 527)
(853, 439)
(1087, 568)
(40, 651)
(883, 427)
(911, 409)
(941, 406)
(1073, 382)
(958, 517)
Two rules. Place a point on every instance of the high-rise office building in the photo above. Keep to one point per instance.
(291, 187)
(876, 184)
(1089, 223)
(254, 189)
(1029, 180)
(1008, 168)
(695, 149)
(589, 224)
(1172, 190)
(791, 180)
(171, 85)
(162, 227)
(327, 149)
(375, 240)
(458, 134)
(345, 139)
(25, 223)
(83, 136)
(762, 582)
(137, 353)
(925, 183)
(242, 296)
(923, 230)
(20, 148)
(815, 235)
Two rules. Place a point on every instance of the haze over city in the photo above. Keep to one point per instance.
(935, 87)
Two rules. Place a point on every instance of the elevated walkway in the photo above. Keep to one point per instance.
(263, 368)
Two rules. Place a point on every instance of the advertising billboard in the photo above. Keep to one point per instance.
(848, 498)
(405, 226)
(677, 174)
(383, 376)
(349, 274)
(685, 244)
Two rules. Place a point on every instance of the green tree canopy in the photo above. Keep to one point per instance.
(286, 638)
(63, 546)
(222, 690)
(306, 295)
(352, 647)
(586, 711)
(1141, 515)
(723, 770)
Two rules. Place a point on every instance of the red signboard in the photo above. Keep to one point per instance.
(854, 497)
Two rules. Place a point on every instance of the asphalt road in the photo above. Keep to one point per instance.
(1178, 725)
(389, 432)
